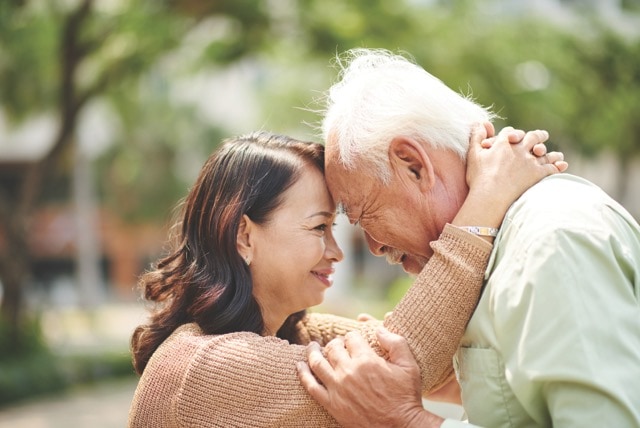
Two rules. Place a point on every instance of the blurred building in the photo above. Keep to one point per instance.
(81, 254)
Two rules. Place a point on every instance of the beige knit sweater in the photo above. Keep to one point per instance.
(246, 380)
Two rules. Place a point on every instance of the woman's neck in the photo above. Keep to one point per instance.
(272, 323)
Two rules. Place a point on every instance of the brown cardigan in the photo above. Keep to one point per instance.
(243, 379)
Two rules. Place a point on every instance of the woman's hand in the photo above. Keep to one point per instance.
(516, 135)
(500, 168)
(512, 161)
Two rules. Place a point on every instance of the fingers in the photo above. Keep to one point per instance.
(562, 166)
(508, 133)
(365, 317)
(512, 135)
(356, 345)
(397, 348)
(322, 370)
(539, 150)
(534, 142)
(489, 128)
(553, 163)
(311, 384)
(557, 159)
(487, 142)
(478, 134)
(553, 157)
(319, 364)
(533, 138)
(336, 352)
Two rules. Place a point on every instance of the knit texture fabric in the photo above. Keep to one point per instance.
(243, 379)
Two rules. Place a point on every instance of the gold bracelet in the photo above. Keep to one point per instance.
(481, 230)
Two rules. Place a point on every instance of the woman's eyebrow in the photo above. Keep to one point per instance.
(322, 213)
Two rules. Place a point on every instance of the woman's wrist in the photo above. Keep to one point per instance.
(481, 214)
(481, 209)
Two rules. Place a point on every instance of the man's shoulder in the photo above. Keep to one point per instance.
(564, 204)
(561, 199)
(562, 187)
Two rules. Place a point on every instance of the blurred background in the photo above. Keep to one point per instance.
(108, 109)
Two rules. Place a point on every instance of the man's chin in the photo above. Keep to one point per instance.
(413, 265)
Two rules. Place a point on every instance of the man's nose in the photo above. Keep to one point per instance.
(376, 248)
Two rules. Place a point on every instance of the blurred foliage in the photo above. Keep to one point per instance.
(36, 370)
(40, 373)
(581, 85)
(28, 369)
(397, 289)
(32, 340)
(36, 374)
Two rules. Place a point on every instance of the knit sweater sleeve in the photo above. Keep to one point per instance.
(322, 328)
(243, 379)
(433, 314)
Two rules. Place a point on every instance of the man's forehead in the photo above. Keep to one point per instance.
(338, 178)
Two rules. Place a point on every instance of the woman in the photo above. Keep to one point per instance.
(254, 250)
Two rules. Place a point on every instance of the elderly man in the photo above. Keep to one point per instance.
(555, 337)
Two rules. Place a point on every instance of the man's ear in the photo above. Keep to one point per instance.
(244, 241)
(410, 162)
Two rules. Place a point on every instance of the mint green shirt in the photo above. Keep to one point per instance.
(555, 339)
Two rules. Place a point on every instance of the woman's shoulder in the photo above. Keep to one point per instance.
(190, 337)
(188, 347)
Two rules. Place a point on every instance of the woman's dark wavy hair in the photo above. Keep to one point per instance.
(203, 279)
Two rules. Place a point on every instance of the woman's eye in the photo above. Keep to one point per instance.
(323, 227)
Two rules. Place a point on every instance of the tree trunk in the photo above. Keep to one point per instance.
(16, 207)
(14, 268)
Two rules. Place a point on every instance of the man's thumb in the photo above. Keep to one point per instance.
(396, 347)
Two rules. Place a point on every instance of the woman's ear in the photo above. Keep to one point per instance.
(244, 241)
(411, 162)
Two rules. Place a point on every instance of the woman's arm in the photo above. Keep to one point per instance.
(236, 379)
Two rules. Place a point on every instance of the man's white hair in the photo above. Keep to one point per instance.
(381, 96)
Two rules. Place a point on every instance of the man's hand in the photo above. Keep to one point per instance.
(361, 389)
